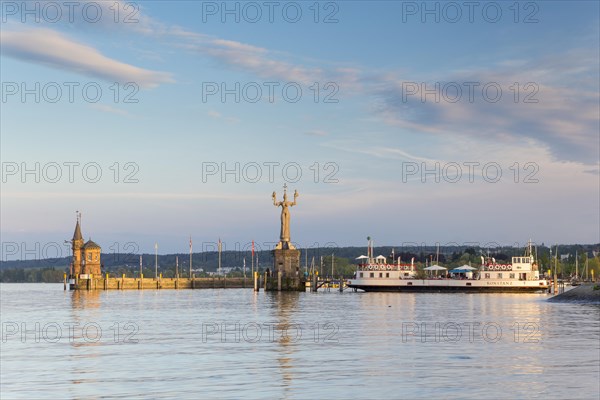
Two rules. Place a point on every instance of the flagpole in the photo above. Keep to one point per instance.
(252, 261)
(190, 256)
(176, 266)
(155, 260)
(219, 273)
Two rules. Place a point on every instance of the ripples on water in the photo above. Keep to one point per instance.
(367, 345)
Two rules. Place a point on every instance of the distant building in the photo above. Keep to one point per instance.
(86, 256)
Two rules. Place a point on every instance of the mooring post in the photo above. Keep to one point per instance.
(65, 281)
(341, 285)
(266, 282)
(256, 285)
(122, 281)
(313, 284)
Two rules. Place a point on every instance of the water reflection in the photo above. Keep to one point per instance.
(285, 307)
(82, 299)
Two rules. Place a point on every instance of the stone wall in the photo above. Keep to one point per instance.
(111, 283)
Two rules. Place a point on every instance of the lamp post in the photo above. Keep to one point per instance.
(155, 260)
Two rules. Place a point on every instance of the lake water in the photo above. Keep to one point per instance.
(234, 343)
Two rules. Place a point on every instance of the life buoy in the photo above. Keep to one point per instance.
(503, 267)
(389, 268)
(370, 267)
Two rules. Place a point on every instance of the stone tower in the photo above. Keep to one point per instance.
(91, 256)
(77, 247)
(86, 257)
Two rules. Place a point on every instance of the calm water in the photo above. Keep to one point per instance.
(234, 343)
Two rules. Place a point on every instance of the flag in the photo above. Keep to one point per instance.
(253, 248)
(219, 245)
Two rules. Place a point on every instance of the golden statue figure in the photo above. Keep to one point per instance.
(284, 236)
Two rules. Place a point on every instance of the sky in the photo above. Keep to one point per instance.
(409, 122)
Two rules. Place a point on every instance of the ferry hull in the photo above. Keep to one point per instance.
(452, 286)
(450, 289)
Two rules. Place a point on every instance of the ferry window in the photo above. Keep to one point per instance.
(361, 274)
(487, 276)
(526, 259)
(381, 274)
(387, 274)
(500, 275)
(511, 276)
(371, 275)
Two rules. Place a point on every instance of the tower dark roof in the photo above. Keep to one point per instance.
(90, 245)
(77, 234)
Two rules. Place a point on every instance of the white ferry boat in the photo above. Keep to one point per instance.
(374, 274)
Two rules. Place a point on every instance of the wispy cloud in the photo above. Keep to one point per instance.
(316, 132)
(217, 115)
(565, 117)
(54, 49)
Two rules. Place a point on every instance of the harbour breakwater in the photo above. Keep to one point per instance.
(588, 293)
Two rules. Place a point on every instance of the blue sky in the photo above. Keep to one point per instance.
(393, 72)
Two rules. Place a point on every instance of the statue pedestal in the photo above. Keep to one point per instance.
(286, 260)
